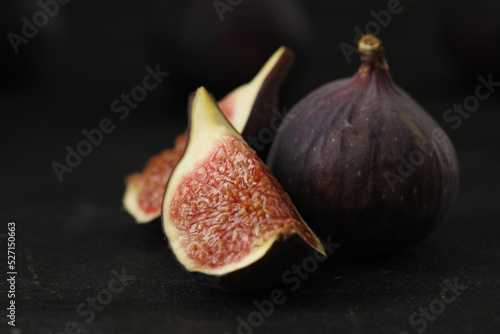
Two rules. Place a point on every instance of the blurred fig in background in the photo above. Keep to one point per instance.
(191, 41)
(471, 31)
(20, 60)
(30, 31)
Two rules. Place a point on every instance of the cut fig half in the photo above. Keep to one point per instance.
(249, 108)
(227, 219)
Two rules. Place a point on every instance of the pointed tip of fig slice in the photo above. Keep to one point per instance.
(225, 216)
(256, 100)
(248, 97)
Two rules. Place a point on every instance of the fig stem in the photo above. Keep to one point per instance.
(371, 53)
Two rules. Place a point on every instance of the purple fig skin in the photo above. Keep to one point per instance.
(262, 115)
(265, 274)
(364, 163)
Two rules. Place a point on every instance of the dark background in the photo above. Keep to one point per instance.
(71, 235)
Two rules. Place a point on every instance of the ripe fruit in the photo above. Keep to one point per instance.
(365, 163)
(226, 218)
(249, 108)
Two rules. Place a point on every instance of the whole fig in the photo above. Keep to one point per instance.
(363, 162)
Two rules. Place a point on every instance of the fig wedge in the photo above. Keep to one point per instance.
(227, 219)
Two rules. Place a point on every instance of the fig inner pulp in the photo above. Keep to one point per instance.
(230, 204)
